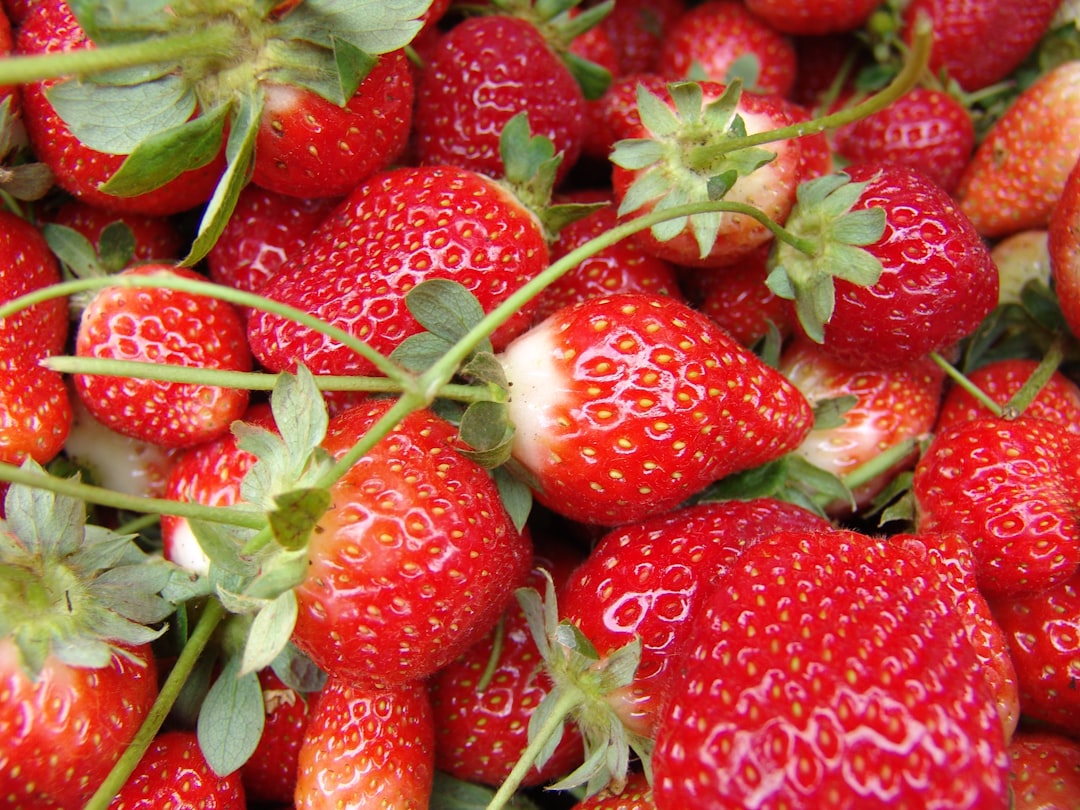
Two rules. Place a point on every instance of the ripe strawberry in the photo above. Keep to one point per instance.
(51, 27)
(27, 264)
(174, 774)
(1018, 172)
(638, 28)
(890, 405)
(912, 307)
(155, 238)
(829, 669)
(1063, 246)
(481, 728)
(681, 146)
(1009, 488)
(636, 794)
(163, 326)
(623, 267)
(962, 30)
(37, 413)
(807, 19)
(367, 748)
(1044, 771)
(355, 271)
(309, 147)
(712, 37)
(926, 129)
(7, 42)
(415, 559)
(1058, 400)
(649, 580)
(626, 405)
(1043, 631)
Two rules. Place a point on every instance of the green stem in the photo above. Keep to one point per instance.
(211, 617)
(213, 39)
(959, 379)
(904, 81)
(1019, 401)
(880, 463)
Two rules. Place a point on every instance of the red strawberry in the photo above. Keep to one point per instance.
(27, 264)
(712, 37)
(413, 562)
(173, 774)
(396, 229)
(51, 27)
(1044, 771)
(310, 147)
(829, 670)
(926, 129)
(155, 238)
(37, 413)
(623, 267)
(890, 405)
(635, 795)
(1043, 631)
(1058, 400)
(1008, 487)
(7, 42)
(649, 580)
(367, 748)
(638, 29)
(936, 279)
(1063, 245)
(819, 17)
(963, 29)
(1018, 172)
(163, 326)
(626, 405)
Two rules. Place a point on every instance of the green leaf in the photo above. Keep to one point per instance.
(593, 79)
(72, 248)
(353, 66)
(485, 425)
(270, 631)
(829, 413)
(116, 246)
(450, 793)
(484, 367)
(854, 264)
(649, 186)
(166, 154)
(107, 21)
(688, 98)
(47, 523)
(300, 412)
(297, 671)
(115, 119)
(375, 26)
(746, 69)
(445, 308)
(296, 516)
(418, 353)
(516, 496)
(655, 113)
(637, 153)
(221, 544)
(814, 192)
(231, 720)
(863, 227)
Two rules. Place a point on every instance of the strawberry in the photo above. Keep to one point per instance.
(1063, 247)
(51, 27)
(27, 264)
(649, 580)
(1009, 488)
(1018, 172)
(367, 748)
(1058, 400)
(174, 774)
(881, 297)
(414, 560)
(162, 326)
(888, 406)
(37, 413)
(366, 255)
(308, 146)
(1042, 632)
(628, 404)
(681, 149)
(1044, 771)
(636, 794)
(77, 675)
(638, 28)
(153, 238)
(829, 669)
(926, 129)
(1022, 257)
(715, 39)
(962, 29)
(809, 19)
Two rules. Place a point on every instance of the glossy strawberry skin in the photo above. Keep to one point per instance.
(27, 264)
(367, 748)
(1019, 171)
(828, 670)
(716, 33)
(358, 266)
(938, 280)
(1063, 246)
(415, 559)
(173, 773)
(270, 774)
(1044, 771)
(813, 17)
(162, 326)
(309, 147)
(1009, 487)
(156, 238)
(37, 413)
(62, 734)
(626, 405)
(51, 27)
(637, 29)
(650, 580)
(479, 75)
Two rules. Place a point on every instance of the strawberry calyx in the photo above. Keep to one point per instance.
(585, 691)
(72, 590)
(19, 179)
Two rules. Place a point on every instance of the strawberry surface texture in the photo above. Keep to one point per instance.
(540, 405)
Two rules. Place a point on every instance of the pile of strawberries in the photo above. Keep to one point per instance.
(542, 404)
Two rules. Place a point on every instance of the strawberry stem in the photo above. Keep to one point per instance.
(211, 617)
(1019, 401)
(213, 39)
(880, 463)
(959, 379)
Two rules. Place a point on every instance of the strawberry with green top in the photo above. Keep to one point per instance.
(628, 404)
